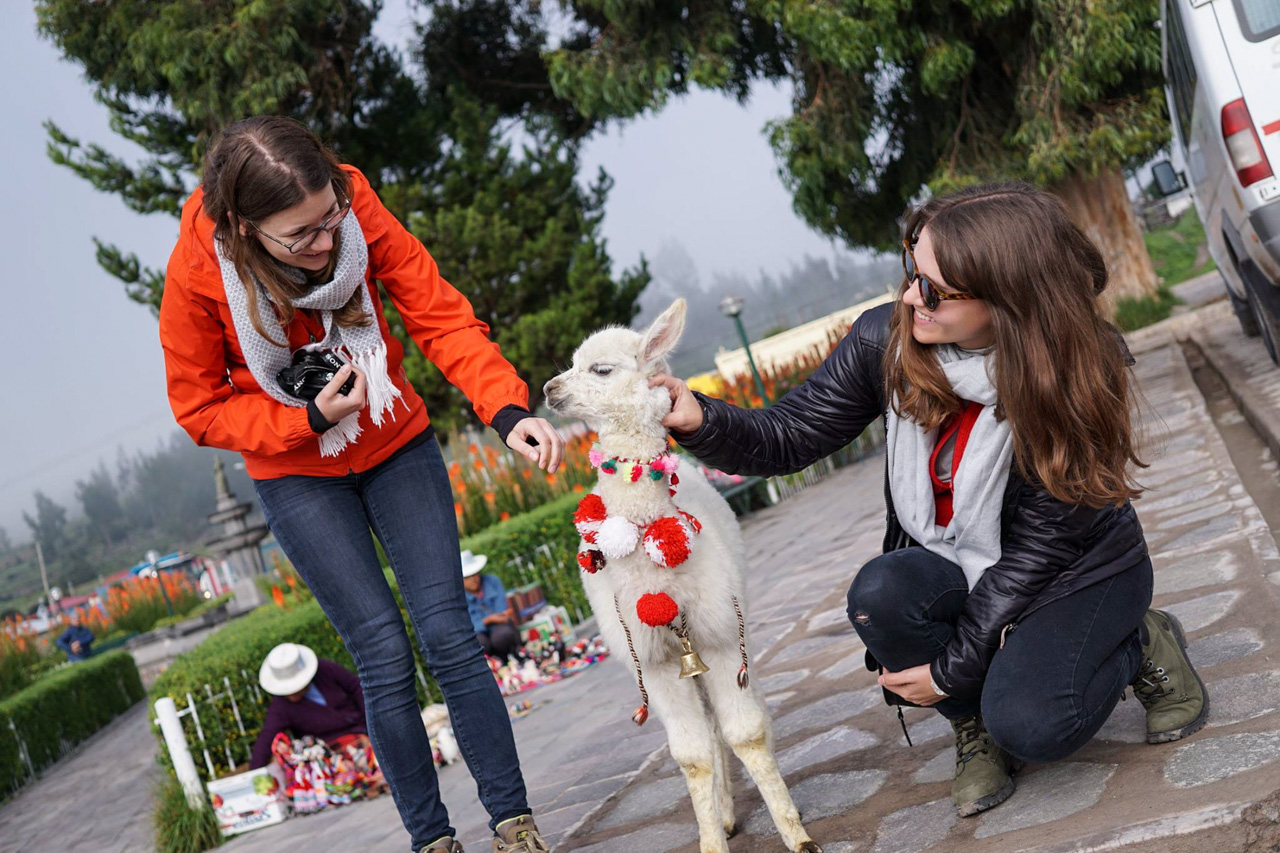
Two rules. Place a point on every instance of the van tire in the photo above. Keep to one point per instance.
(1267, 325)
(1244, 314)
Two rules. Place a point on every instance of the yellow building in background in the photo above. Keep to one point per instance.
(710, 383)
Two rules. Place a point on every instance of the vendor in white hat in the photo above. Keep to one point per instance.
(311, 696)
(491, 616)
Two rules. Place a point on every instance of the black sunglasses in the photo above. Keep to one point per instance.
(929, 292)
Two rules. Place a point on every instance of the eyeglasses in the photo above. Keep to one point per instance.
(300, 245)
(929, 292)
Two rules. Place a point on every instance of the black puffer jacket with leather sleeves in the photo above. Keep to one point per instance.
(1049, 549)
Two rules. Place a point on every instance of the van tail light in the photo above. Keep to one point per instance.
(1243, 145)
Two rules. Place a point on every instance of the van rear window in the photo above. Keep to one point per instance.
(1259, 19)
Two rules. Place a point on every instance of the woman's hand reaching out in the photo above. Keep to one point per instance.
(537, 440)
(686, 413)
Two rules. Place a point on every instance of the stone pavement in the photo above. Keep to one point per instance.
(98, 799)
(861, 788)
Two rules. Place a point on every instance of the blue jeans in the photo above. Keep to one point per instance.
(323, 524)
(1059, 675)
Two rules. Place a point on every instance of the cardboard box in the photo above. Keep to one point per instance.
(550, 620)
(249, 800)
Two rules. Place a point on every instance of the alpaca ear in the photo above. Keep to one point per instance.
(662, 337)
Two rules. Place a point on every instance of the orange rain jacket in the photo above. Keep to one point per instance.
(217, 401)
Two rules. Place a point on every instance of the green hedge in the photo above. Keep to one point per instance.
(61, 710)
(236, 652)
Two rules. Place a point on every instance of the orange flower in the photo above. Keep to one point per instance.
(504, 516)
(455, 469)
(551, 478)
(479, 463)
(277, 595)
(578, 488)
(489, 497)
(527, 473)
(473, 449)
(457, 508)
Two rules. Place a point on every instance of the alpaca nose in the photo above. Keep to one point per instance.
(552, 386)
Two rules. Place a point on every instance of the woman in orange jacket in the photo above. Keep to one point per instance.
(278, 252)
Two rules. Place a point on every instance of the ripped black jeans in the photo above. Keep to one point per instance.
(1056, 680)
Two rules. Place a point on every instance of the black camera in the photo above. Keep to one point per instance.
(310, 372)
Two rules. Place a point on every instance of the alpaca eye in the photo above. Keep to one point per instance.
(602, 369)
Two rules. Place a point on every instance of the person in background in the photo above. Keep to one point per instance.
(491, 616)
(77, 640)
(311, 696)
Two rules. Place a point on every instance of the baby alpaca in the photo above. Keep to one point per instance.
(663, 559)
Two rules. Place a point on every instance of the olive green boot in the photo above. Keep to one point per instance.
(519, 835)
(984, 771)
(1167, 685)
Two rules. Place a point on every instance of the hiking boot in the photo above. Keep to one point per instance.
(519, 835)
(1167, 685)
(984, 771)
(443, 845)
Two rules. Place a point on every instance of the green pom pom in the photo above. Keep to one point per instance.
(609, 467)
(655, 474)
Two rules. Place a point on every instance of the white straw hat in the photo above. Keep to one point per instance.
(288, 669)
(472, 563)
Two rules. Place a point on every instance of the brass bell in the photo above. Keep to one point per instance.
(690, 664)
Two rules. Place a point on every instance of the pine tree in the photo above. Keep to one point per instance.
(892, 99)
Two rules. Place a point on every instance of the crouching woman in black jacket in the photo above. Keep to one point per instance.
(1014, 589)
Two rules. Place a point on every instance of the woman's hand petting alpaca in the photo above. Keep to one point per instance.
(911, 684)
(550, 446)
(686, 413)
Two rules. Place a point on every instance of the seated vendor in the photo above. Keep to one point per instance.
(77, 640)
(312, 697)
(491, 616)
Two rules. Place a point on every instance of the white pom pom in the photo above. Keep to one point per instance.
(617, 537)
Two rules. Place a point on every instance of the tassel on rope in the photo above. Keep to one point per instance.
(744, 677)
(641, 715)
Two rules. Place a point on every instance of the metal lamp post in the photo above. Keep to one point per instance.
(731, 306)
(153, 557)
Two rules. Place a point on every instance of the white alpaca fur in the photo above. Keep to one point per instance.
(608, 387)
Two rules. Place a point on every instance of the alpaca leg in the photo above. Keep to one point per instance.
(744, 719)
(724, 783)
(680, 707)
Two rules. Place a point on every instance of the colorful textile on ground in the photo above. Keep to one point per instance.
(537, 663)
(319, 775)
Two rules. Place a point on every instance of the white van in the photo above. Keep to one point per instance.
(1222, 81)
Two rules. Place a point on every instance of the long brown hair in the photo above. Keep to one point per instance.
(1059, 368)
(254, 169)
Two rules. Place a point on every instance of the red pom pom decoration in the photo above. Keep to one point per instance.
(590, 515)
(657, 609)
(590, 508)
(636, 471)
(666, 541)
(591, 561)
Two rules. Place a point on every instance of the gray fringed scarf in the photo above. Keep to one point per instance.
(361, 345)
(972, 539)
